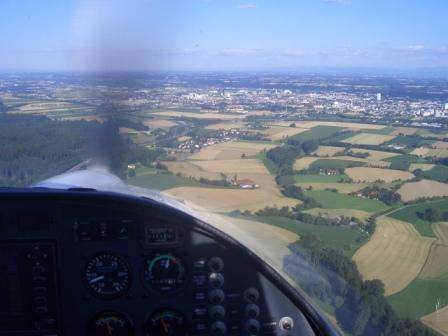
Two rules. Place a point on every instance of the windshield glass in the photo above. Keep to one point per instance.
(315, 132)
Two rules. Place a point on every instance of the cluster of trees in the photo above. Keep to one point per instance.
(295, 213)
(296, 192)
(432, 215)
(332, 277)
(384, 195)
(35, 148)
(349, 152)
(126, 122)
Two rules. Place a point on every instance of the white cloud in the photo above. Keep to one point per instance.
(247, 6)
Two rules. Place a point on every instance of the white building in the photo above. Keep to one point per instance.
(378, 97)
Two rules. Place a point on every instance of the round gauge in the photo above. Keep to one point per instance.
(166, 322)
(165, 273)
(107, 276)
(109, 323)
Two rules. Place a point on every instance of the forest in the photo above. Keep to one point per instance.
(34, 148)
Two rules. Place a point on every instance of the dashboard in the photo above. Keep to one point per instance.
(91, 263)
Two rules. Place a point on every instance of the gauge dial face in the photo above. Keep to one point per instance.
(107, 276)
(164, 273)
(109, 323)
(166, 322)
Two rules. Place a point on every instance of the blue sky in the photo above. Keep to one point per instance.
(222, 34)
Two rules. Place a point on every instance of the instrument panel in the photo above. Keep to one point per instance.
(102, 265)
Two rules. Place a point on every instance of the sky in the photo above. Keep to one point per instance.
(89, 35)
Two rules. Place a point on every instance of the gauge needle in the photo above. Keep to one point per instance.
(165, 326)
(101, 277)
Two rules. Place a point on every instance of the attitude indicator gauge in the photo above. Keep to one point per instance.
(107, 276)
(164, 273)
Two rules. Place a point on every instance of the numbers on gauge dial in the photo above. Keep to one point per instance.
(164, 273)
(107, 276)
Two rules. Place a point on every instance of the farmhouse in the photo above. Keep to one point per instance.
(245, 184)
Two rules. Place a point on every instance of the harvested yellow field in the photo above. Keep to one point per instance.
(188, 169)
(230, 150)
(422, 166)
(437, 320)
(221, 116)
(436, 266)
(277, 202)
(438, 152)
(362, 215)
(45, 106)
(404, 131)
(373, 154)
(428, 133)
(126, 130)
(368, 174)
(218, 199)
(279, 133)
(225, 126)
(368, 139)
(440, 145)
(421, 151)
(304, 163)
(311, 124)
(425, 188)
(159, 123)
(441, 231)
(424, 151)
(344, 188)
(233, 166)
(395, 254)
(327, 150)
(369, 162)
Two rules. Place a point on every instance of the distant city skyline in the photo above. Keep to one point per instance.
(223, 35)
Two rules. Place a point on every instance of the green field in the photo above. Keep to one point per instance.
(385, 131)
(334, 200)
(438, 173)
(334, 236)
(162, 181)
(420, 298)
(317, 133)
(408, 214)
(403, 162)
(335, 164)
(318, 178)
(410, 141)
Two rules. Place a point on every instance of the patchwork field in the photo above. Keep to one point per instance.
(279, 133)
(395, 254)
(404, 131)
(367, 161)
(233, 166)
(425, 188)
(231, 150)
(362, 215)
(425, 151)
(422, 166)
(327, 150)
(225, 126)
(304, 162)
(188, 169)
(440, 145)
(334, 200)
(343, 188)
(437, 320)
(436, 266)
(369, 174)
(441, 231)
(201, 115)
(374, 154)
(368, 139)
(216, 199)
(159, 123)
(318, 133)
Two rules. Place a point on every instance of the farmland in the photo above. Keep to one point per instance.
(422, 189)
(395, 254)
(368, 139)
(367, 174)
